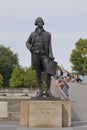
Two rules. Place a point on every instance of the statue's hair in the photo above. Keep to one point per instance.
(39, 18)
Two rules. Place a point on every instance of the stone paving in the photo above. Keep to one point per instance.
(15, 126)
(78, 94)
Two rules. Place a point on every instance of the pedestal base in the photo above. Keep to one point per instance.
(45, 113)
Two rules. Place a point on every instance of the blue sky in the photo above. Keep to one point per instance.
(66, 20)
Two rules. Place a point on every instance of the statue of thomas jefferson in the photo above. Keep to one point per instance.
(39, 44)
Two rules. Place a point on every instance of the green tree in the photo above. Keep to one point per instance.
(8, 60)
(17, 78)
(79, 57)
(30, 78)
(1, 81)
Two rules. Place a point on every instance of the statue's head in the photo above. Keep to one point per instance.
(39, 19)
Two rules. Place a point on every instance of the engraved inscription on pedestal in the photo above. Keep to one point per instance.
(45, 114)
(3, 109)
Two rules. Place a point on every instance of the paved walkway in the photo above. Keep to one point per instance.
(78, 94)
(7, 125)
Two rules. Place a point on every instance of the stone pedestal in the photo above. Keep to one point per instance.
(45, 113)
(66, 114)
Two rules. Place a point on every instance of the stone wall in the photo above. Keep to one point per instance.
(12, 109)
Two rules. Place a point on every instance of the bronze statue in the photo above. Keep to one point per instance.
(39, 44)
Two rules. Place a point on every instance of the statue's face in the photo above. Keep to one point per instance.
(40, 23)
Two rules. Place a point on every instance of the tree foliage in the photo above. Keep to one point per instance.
(1, 81)
(17, 78)
(30, 78)
(23, 78)
(8, 60)
(79, 57)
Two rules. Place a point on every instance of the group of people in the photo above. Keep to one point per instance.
(61, 83)
(77, 78)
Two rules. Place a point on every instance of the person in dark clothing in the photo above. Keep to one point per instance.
(39, 44)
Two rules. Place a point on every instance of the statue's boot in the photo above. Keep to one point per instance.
(49, 94)
(39, 93)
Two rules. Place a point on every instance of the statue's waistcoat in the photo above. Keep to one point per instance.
(38, 45)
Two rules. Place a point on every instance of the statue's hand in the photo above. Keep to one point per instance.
(51, 58)
(31, 50)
